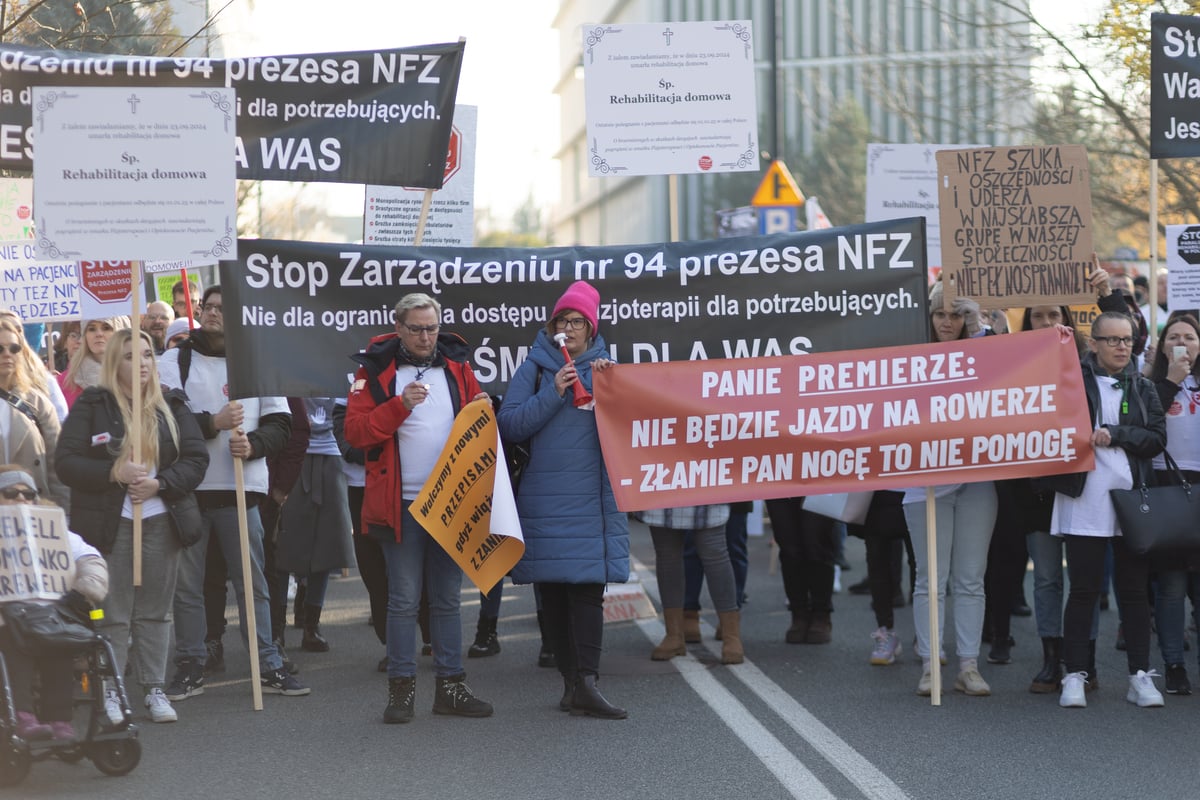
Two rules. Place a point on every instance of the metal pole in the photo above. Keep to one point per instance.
(773, 77)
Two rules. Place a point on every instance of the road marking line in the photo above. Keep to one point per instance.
(849, 762)
(790, 771)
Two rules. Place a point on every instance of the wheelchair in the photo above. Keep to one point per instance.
(113, 749)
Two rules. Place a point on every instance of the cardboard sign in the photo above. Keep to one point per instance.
(1016, 225)
(982, 409)
(35, 555)
(467, 504)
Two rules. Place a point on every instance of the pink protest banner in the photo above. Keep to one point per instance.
(995, 407)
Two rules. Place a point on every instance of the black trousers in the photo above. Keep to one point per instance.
(573, 614)
(371, 568)
(806, 552)
(1005, 576)
(1085, 566)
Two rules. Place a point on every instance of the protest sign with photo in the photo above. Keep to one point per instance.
(1016, 225)
(40, 291)
(670, 98)
(978, 409)
(296, 311)
(392, 212)
(137, 174)
(35, 555)
(1174, 86)
(467, 503)
(374, 116)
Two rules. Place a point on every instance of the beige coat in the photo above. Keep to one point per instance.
(32, 447)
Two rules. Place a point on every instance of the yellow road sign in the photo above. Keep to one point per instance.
(778, 188)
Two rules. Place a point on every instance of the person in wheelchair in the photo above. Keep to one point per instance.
(89, 585)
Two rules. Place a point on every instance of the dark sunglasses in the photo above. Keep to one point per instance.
(14, 348)
(24, 494)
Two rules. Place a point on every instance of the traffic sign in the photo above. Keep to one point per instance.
(778, 188)
(777, 219)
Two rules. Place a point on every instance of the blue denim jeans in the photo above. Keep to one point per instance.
(739, 558)
(189, 590)
(415, 560)
(1170, 610)
(1047, 554)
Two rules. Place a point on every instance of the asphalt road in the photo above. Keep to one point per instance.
(795, 721)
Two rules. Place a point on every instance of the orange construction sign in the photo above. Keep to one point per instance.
(778, 188)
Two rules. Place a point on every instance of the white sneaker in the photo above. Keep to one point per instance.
(112, 707)
(837, 579)
(1073, 684)
(1142, 691)
(160, 707)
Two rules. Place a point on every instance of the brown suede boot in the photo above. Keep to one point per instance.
(798, 631)
(691, 626)
(672, 644)
(731, 644)
(820, 628)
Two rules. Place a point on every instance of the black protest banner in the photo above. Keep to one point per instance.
(1016, 225)
(380, 117)
(1174, 86)
(295, 311)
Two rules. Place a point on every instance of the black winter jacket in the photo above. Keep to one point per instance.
(85, 467)
(1141, 431)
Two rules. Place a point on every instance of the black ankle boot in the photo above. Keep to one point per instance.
(486, 642)
(313, 641)
(587, 700)
(454, 697)
(401, 694)
(1049, 679)
(568, 697)
(546, 653)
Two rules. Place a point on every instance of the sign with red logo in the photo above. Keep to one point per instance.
(104, 288)
(453, 155)
(705, 163)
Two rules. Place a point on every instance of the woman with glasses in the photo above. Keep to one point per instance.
(576, 540)
(84, 369)
(966, 514)
(1175, 372)
(69, 340)
(108, 477)
(51, 719)
(29, 426)
(1129, 430)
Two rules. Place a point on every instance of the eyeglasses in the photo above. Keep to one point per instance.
(1115, 341)
(24, 494)
(13, 348)
(574, 323)
(417, 330)
(212, 309)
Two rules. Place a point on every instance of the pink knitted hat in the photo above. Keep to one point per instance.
(581, 297)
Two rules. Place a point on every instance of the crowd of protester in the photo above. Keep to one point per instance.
(328, 484)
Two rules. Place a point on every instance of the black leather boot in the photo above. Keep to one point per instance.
(454, 697)
(568, 696)
(1049, 680)
(587, 700)
(401, 694)
(486, 642)
(313, 641)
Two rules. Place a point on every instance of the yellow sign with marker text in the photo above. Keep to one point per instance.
(467, 504)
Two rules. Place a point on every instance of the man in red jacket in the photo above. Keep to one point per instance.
(409, 387)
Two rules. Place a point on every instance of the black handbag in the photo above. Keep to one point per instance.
(45, 627)
(1160, 520)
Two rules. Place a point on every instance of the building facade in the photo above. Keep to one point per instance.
(935, 71)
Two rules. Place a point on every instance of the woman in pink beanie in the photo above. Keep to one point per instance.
(576, 540)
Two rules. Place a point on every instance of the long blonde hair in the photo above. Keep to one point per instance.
(23, 376)
(84, 353)
(154, 404)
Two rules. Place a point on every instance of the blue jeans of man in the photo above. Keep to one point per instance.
(189, 590)
(1170, 610)
(414, 561)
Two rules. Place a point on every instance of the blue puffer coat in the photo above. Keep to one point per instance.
(573, 530)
